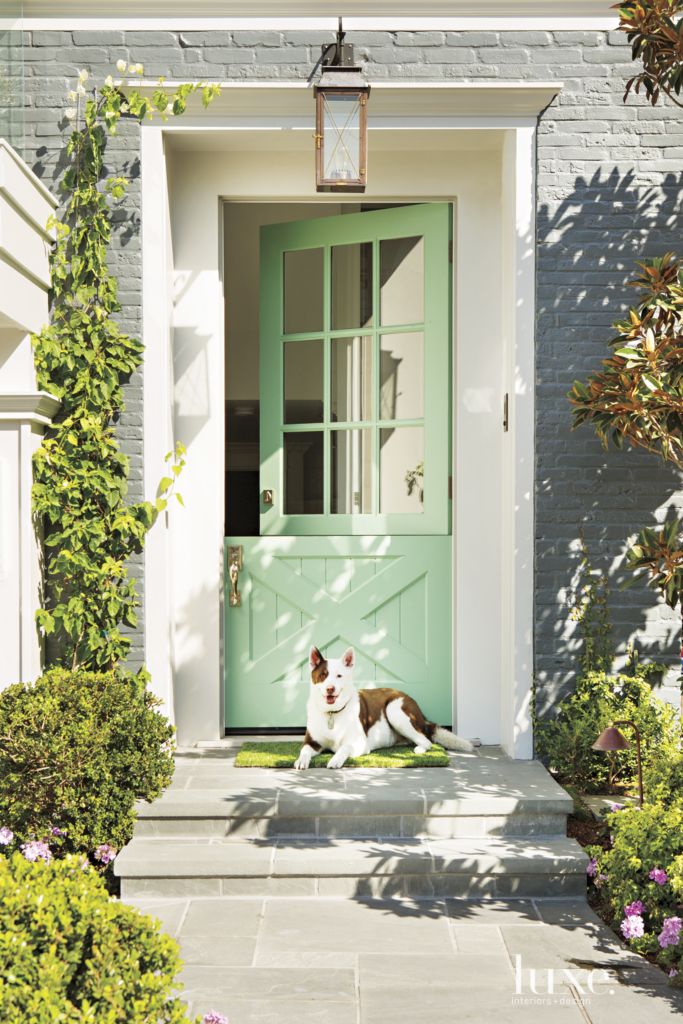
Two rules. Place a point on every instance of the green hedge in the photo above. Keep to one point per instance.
(565, 742)
(77, 749)
(68, 952)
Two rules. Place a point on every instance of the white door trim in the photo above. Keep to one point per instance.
(188, 675)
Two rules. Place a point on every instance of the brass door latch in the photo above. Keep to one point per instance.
(235, 566)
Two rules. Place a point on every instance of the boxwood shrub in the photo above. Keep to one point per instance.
(69, 952)
(565, 742)
(77, 749)
(663, 777)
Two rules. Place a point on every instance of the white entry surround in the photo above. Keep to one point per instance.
(25, 205)
(471, 144)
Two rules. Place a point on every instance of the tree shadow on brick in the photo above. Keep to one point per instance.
(588, 242)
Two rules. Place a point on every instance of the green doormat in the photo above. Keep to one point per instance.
(283, 755)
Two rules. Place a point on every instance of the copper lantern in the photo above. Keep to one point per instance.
(341, 125)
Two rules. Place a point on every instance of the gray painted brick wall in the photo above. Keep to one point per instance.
(609, 192)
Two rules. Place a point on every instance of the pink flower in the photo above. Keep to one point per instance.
(601, 879)
(592, 868)
(105, 853)
(37, 849)
(214, 1018)
(632, 927)
(616, 807)
(634, 909)
(671, 932)
(673, 973)
(659, 876)
(59, 833)
(6, 835)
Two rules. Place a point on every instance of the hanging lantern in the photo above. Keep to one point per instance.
(341, 123)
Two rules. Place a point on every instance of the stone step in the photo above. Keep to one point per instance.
(324, 813)
(418, 868)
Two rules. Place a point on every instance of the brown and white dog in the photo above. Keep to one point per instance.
(352, 722)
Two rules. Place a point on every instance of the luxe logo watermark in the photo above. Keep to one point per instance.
(559, 986)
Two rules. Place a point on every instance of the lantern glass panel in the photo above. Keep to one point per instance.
(341, 136)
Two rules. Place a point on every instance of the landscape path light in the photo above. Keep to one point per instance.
(612, 739)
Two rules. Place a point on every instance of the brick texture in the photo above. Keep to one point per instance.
(609, 192)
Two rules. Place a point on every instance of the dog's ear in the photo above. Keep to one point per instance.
(349, 657)
(315, 658)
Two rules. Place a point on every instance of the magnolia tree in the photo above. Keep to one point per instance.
(636, 397)
(655, 32)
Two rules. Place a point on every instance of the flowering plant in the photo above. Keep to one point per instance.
(639, 881)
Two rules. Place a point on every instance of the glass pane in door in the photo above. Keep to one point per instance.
(303, 457)
(401, 376)
(303, 372)
(351, 286)
(303, 291)
(401, 469)
(351, 454)
(401, 270)
(351, 363)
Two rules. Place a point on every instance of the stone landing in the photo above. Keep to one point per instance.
(486, 826)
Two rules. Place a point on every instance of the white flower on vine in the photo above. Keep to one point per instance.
(137, 69)
(83, 75)
(80, 89)
(109, 81)
(71, 113)
(121, 65)
(169, 108)
(72, 95)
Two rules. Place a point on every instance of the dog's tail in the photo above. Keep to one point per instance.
(450, 741)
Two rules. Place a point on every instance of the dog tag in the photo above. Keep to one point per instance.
(330, 720)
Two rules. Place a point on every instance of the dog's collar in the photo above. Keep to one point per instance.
(337, 711)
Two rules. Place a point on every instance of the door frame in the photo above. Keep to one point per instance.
(184, 657)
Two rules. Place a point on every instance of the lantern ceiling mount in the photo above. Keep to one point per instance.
(341, 129)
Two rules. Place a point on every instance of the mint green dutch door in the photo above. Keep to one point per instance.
(355, 462)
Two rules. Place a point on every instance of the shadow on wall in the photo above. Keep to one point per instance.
(197, 619)
(588, 243)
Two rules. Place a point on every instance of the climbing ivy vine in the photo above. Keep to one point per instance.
(80, 501)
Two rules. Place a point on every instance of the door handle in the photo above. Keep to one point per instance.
(235, 565)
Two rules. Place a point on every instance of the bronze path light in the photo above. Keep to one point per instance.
(341, 121)
(612, 739)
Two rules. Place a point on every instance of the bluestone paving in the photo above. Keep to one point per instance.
(340, 961)
(349, 926)
(217, 950)
(223, 917)
(429, 907)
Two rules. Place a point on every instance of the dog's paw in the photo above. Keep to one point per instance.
(420, 750)
(302, 762)
(336, 761)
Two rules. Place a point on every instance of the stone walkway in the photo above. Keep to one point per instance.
(338, 961)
